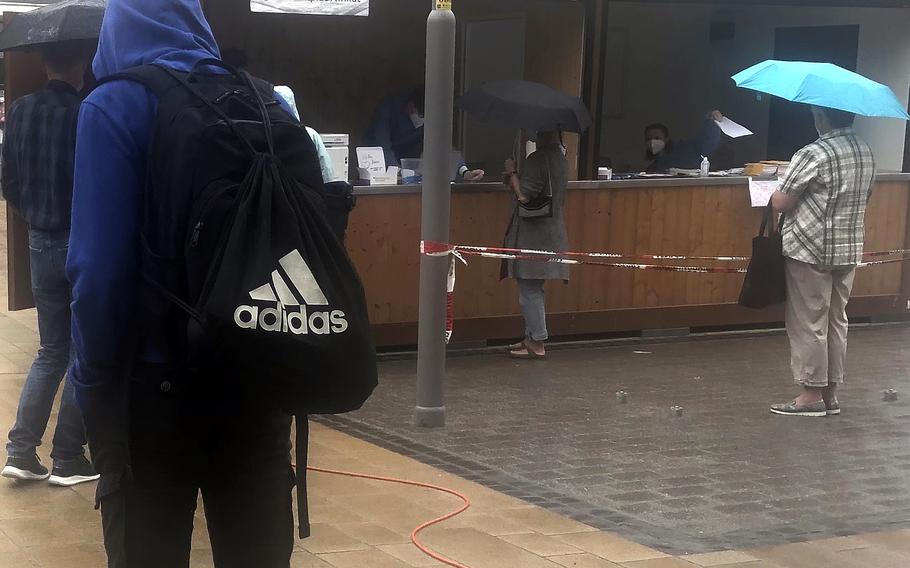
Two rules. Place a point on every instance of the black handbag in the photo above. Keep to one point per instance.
(540, 207)
(766, 283)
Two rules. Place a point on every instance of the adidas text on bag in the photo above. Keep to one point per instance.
(289, 314)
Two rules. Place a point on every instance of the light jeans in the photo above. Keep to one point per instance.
(817, 323)
(531, 298)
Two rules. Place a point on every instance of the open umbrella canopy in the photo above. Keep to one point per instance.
(527, 105)
(822, 84)
(63, 21)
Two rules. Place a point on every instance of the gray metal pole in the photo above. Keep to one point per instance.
(435, 202)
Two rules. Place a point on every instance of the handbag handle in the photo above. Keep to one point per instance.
(766, 222)
(549, 181)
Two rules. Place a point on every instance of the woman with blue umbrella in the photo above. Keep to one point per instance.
(823, 198)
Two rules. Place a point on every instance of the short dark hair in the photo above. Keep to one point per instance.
(418, 97)
(658, 126)
(65, 56)
(838, 118)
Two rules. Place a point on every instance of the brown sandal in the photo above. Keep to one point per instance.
(525, 352)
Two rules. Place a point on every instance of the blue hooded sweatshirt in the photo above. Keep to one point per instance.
(115, 129)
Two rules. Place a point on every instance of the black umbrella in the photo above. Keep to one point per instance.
(64, 21)
(527, 105)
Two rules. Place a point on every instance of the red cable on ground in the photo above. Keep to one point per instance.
(426, 525)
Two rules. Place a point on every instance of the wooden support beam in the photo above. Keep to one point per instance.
(24, 75)
(596, 15)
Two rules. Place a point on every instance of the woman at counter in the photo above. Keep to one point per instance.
(537, 223)
(665, 154)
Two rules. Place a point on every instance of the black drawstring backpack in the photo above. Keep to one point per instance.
(239, 260)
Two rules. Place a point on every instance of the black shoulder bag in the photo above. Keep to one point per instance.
(766, 283)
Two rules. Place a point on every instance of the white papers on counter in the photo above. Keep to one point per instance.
(732, 129)
(761, 191)
(317, 7)
(371, 166)
(371, 159)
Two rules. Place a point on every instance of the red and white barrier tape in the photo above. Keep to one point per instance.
(569, 257)
(458, 252)
(450, 301)
(438, 249)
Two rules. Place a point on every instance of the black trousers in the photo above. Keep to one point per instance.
(232, 446)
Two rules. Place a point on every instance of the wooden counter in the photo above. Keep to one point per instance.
(674, 216)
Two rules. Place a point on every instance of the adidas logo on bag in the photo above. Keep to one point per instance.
(289, 314)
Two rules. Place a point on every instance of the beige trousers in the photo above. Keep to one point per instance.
(817, 299)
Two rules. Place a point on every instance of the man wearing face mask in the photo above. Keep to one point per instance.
(665, 154)
(397, 126)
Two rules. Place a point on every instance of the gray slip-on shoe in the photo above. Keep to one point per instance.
(815, 409)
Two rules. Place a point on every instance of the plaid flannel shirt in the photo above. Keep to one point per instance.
(832, 179)
(39, 156)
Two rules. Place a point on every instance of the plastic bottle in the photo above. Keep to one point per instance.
(705, 167)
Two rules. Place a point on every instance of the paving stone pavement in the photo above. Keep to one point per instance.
(725, 475)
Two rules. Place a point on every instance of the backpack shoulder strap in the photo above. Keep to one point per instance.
(152, 77)
(302, 452)
(161, 80)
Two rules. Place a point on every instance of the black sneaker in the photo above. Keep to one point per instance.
(74, 472)
(25, 468)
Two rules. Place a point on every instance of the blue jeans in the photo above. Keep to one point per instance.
(531, 299)
(52, 297)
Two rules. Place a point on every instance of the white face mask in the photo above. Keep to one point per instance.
(657, 146)
(417, 120)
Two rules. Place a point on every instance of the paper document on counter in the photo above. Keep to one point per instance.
(371, 159)
(761, 191)
(317, 7)
(733, 129)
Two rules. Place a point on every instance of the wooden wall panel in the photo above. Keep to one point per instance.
(886, 225)
(24, 75)
(696, 220)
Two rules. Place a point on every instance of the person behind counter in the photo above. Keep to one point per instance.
(544, 171)
(397, 126)
(665, 154)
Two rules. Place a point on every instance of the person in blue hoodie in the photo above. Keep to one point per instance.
(158, 443)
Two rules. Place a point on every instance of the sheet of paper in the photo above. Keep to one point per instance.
(732, 129)
(371, 159)
(761, 191)
(318, 7)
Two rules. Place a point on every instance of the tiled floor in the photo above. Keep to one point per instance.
(726, 474)
(366, 524)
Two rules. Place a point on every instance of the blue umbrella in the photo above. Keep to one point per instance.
(824, 85)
